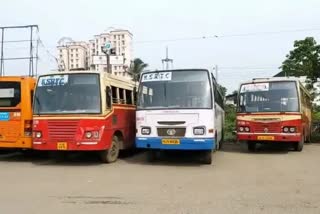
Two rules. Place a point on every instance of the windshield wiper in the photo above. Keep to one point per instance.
(39, 105)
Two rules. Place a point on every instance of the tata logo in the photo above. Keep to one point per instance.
(266, 130)
(171, 132)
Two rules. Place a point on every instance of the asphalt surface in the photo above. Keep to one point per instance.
(272, 180)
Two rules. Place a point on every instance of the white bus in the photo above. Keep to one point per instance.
(179, 110)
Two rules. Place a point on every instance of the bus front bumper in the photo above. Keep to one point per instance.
(69, 145)
(21, 143)
(269, 137)
(181, 144)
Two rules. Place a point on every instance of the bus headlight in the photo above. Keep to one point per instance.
(88, 135)
(95, 134)
(198, 131)
(247, 129)
(292, 129)
(145, 130)
(241, 129)
(286, 129)
(38, 134)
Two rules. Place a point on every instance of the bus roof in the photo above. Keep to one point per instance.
(278, 79)
(117, 80)
(16, 77)
(70, 72)
(188, 69)
(273, 79)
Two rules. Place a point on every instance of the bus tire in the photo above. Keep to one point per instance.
(252, 146)
(218, 143)
(152, 155)
(222, 140)
(298, 146)
(111, 155)
(207, 157)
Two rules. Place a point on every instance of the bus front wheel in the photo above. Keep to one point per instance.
(252, 146)
(111, 155)
(299, 145)
(207, 157)
(153, 155)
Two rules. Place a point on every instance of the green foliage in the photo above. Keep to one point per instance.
(136, 68)
(230, 123)
(303, 60)
(316, 113)
(223, 90)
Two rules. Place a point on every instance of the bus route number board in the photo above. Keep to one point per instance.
(62, 146)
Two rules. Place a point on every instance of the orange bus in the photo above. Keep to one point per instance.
(16, 94)
(274, 110)
(84, 111)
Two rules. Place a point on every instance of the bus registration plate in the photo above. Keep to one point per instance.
(62, 146)
(265, 138)
(171, 141)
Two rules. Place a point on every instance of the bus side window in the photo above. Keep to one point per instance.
(129, 97)
(108, 97)
(114, 94)
(121, 96)
(135, 95)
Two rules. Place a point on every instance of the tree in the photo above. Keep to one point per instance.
(136, 68)
(303, 60)
(223, 90)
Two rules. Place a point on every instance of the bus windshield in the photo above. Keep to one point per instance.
(269, 97)
(10, 94)
(68, 93)
(175, 89)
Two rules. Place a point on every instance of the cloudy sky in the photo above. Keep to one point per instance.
(253, 36)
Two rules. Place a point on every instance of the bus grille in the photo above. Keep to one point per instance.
(178, 132)
(267, 128)
(62, 129)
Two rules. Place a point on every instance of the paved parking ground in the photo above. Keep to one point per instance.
(272, 180)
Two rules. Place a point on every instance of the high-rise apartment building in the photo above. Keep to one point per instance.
(85, 56)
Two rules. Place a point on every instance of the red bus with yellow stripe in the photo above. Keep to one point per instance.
(274, 110)
(84, 111)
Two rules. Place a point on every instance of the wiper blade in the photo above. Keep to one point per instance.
(39, 105)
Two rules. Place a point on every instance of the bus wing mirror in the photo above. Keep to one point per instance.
(108, 97)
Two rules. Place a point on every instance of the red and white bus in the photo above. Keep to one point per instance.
(84, 111)
(274, 110)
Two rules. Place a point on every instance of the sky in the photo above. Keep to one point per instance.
(239, 57)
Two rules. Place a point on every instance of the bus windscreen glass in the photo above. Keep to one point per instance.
(68, 93)
(269, 97)
(175, 90)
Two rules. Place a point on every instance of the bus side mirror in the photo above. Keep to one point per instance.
(108, 97)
